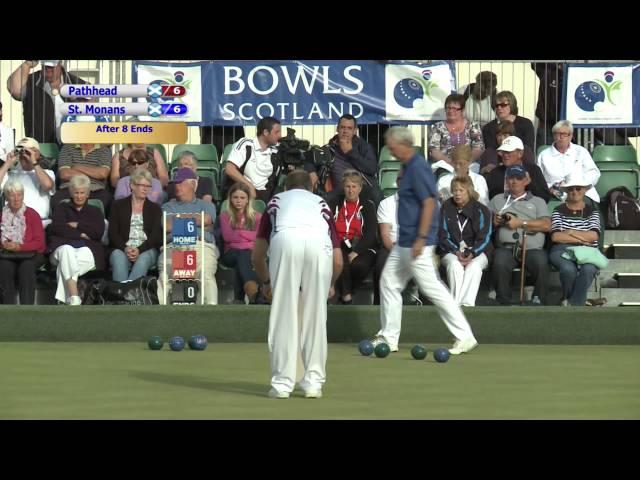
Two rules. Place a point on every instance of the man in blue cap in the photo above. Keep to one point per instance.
(188, 205)
(515, 212)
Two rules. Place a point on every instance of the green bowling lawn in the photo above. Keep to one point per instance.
(230, 381)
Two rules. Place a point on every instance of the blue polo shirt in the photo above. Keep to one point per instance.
(418, 183)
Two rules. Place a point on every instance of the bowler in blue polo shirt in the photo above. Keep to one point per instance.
(414, 253)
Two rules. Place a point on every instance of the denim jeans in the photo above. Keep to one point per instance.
(575, 279)
(240, 261)
(122, 267)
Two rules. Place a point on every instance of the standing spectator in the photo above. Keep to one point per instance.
(91, 160)
(480, 98)
(239, 224)
(574, 223)
(39, 93)
(299, 234)
(22, 241)
(455, 130)
(464, 240)
(413, 255)
(76, 231)
(565, 158)
(507, 110)
(549, 93)
(355, 218)
(39, 183)
(7, 138)
(461, 158)
(135, 230)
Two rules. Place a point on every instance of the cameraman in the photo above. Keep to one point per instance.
(250, 159)
(350, 152)
(514, 213)
(39, 183)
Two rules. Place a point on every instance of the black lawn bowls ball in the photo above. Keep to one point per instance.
(198, 342)
(441, 355)
(155, 343)
(419, 352)
(176, 343)
(382, 350)
(365, 347)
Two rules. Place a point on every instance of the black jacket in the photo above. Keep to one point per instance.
(369, 240)
(38, 107)
(476, 233)
(362, 157)
(524, 131)
(538, 185)
(120, 223)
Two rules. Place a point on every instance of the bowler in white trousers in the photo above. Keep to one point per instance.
(414, 253)
(298, 232)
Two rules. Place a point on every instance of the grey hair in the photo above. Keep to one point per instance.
(139, 175)
(12, 186)
(79, 181)
(188, 154)
(563, 123)
(400, 135)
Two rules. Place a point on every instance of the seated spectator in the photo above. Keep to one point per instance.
(574, 223)
(461, 157)
(38, 183)
(138, 161)
(387, 216)
(507, 110)
(188, 159)
(349, 152)
(480, 98)
(76, 230)
(188, 206)
(355, 217)
(250, 159)
(6, 138)
(512, 154)
(120, 165)
(464, 239)
(564, 158)
(23, 243)
(135, 230)
(455, 130)
(239, 225)
(91, 160)
(513, 214)
(491, 157)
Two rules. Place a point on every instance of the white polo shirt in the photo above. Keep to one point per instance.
(387, 213)
(258, 168)
(34, 197)
(7, 142)
(557, 166)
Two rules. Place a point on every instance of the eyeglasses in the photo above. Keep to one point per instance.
(143, 185)
(503, 105)
(453, 108)
(139, 162)
(562, 134)
(574, 189)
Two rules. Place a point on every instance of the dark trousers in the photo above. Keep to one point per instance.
(240, 261)
(354, 273)
(536, 265)
(26, 270)
(381, 258)
(105, 196)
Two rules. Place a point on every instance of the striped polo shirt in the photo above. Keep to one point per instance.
(71, 155)
(583, 220)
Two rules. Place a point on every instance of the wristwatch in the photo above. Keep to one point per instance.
(524, 224)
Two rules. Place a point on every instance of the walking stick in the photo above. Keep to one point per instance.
(522, 269)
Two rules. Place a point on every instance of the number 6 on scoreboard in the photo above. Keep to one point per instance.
(190, 259)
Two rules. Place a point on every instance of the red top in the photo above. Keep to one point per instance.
(33, 240)
(349, 213)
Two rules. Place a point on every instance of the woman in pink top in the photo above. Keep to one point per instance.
(239, 225)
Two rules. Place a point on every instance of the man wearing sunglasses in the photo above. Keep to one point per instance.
(564, 158)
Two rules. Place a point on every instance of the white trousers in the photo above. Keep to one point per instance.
(464, 282)
(72, 262)
(210, 287)
(300, 266)
(400, 267)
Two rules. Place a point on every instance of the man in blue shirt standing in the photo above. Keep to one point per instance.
(414, 253)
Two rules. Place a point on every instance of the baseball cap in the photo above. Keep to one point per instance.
(510, 144)
(516, 171)
(50, 63)
(183, 174)
(29, 142)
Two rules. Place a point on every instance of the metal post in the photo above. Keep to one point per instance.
(202, 257)
(164, 256)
